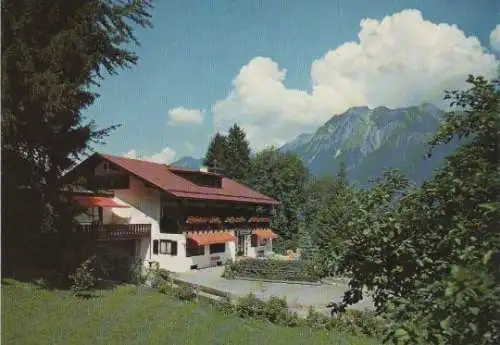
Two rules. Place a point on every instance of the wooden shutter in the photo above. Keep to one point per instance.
(174, 248)
(155, 246)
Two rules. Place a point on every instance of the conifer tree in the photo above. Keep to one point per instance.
(53, 51)
(216, 153)
(237, 160)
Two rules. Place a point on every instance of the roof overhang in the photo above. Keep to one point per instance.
(97, 201)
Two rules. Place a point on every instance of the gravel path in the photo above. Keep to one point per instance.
(299, 297)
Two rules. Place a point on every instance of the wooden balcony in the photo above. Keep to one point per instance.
(115, 232)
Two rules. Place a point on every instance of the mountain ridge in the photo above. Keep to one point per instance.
(368, 140)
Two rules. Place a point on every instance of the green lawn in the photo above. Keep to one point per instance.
(128, 315)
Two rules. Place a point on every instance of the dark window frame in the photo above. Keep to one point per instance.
(217, 248)
(173, 247)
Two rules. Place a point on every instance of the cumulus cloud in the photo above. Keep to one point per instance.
(181, 115)
(398, 61)
(165, 156)
(189, 147)
(495, 39)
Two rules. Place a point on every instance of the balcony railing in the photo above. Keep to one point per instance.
(110, 232)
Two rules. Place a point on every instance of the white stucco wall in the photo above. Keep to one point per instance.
(144, 208)
(252, 251)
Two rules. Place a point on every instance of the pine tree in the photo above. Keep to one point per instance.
(237, 161)
(216, 153)
(52, 52)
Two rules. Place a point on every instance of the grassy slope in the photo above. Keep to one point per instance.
(126, 315)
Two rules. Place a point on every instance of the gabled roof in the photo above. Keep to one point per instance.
(163, 177)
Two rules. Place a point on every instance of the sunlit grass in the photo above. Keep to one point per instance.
(128, 315)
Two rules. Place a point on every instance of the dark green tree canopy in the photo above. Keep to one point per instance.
(216, 152)
(53, 51)
(284, 177)
(237, 154)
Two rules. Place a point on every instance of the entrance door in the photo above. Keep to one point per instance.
(241, 248)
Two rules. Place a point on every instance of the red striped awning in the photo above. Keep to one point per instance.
(206, 238)
(265, 234)
(98, 201)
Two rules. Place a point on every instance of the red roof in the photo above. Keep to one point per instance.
(163, 177)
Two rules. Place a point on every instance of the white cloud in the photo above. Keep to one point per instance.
(189, 147)
(181, 115)
(495, 39)
(131, 154)
(399, 61)
(165, 156)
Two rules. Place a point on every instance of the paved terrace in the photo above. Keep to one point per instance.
(298, 296)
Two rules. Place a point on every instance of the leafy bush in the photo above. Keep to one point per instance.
(183, 293)
(289, 318)
(430, 255)
(293, 270)
(225, 305)
(250, 306)
(84, 278)
(186, 293)
(316, 319)
(275, 308)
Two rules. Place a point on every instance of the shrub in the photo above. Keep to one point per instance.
(316, 320)
(274, 308)
(250, 306)
(225, 305)
(186, 293)
(272, 269)
(290, 319)
(84, 279)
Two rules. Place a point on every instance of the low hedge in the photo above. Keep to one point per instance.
(272, 269)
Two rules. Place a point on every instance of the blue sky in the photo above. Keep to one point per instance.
(197, 48)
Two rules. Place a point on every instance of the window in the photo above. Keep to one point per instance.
(254, 240)
(193, 249)
(168, 247)
(164, 247)
(217, 248)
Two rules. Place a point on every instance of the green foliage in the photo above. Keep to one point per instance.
(275, 308)
(430, 256)
(308, 248)
(84, 279)
(329, 207)
(48, 67)
(121, 316)
(237, 160)
(225, 305)
(250, 306)
(293, 270)
(316, 319)
(282, 176)
(186, 293)
(229, 155)
(215, 156)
